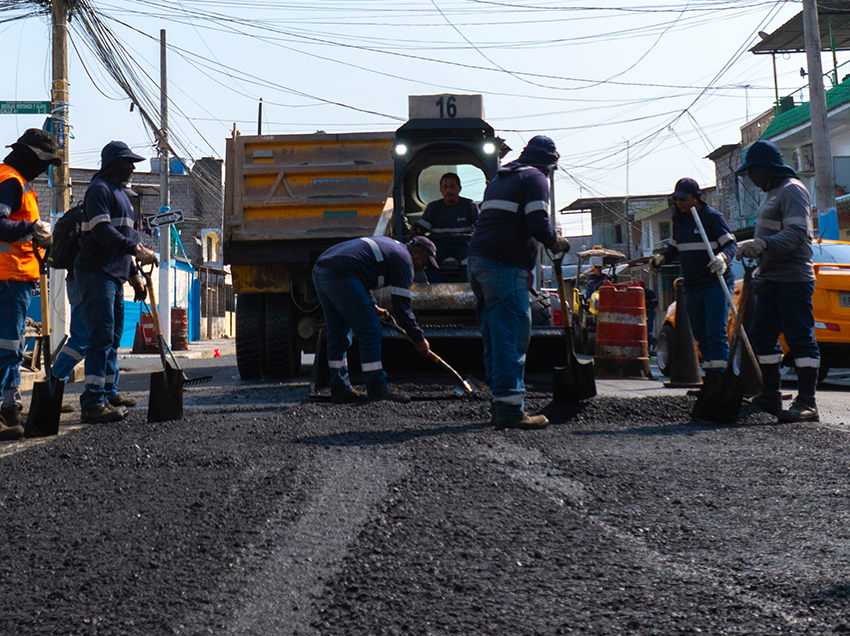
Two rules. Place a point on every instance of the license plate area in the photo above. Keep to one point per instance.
(844, 299)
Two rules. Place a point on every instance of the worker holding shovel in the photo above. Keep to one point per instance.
(21, 232)
(104, 264)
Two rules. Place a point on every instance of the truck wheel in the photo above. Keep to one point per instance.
(250, 335)
(588, 340)
(663, 348)
(541, 309)
(280, 336)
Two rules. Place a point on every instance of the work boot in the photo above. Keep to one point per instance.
(67, 408)
(390, 396)
(800, 411)
(12, 415)
(521, 420)
(102, 413)
(768, 401)
(345, 394)
(11, 432)
(123, 400)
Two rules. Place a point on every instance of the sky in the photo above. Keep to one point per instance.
(635, 93)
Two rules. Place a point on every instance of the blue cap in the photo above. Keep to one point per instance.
(112, 154)
(767, 156)
(686, 187)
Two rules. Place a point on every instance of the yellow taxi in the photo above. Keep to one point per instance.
(831, 302)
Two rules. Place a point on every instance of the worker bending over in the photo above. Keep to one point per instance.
(344, 277)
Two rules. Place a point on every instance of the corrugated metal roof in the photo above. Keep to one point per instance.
(790, 38)
(786, 121)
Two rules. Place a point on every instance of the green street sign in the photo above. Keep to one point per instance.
(24, 108)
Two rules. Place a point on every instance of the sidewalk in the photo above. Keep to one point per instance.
(197, 350)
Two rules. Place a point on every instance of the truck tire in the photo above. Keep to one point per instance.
(541, 309)
(280, 337)
(664, 348)
(250, 335)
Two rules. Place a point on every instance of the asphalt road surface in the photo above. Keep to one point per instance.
(266, 513)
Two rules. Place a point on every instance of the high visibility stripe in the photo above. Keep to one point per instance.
(122, 222)
(725, 239)
(773, 358)
(617, 351)
(399, 291)
(498, 204)
(714, 364)
(71, 353)
(621, 319)
(100, 218)
(336, 364)
(673, 243)
(110, 379)
(375, 249)
(95, 380)
(451, 230)
(10, 345)
(5, 248)
(769, 224)
(536, 206)
(371, 366)
(424, 224)
(5, 210)
(381, 281)
(807, 363)
(516, 398)
(797, 221)
(695, 247)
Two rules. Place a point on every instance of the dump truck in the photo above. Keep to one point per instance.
(290, 197)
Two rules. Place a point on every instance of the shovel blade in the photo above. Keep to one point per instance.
(575, 382)
(166, 396)
(719, 400)
(45, 409)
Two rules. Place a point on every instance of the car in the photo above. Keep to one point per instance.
(831, 303)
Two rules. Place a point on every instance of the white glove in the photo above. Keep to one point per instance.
(718, 264)
(145, 256)
(751, 249)
(656, 262)
(41, 234)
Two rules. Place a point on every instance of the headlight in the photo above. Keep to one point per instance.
(401, 149)
(489, 148)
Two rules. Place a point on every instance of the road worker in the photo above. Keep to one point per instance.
(450, 222)
(708, 309)
(104, 264)
(514, 221)
(21, 232)
(344, 277)
(783, 283)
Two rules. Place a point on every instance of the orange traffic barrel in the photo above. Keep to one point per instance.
(622, 349)
(179, 329)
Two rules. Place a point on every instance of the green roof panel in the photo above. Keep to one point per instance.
(800, 115)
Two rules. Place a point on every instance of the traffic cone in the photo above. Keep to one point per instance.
(684, 359)
(139, 344)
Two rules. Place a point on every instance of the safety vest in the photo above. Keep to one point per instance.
(17, 260)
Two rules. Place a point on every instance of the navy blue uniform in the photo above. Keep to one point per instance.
(687, 245)
(106, 243)
(449, 223)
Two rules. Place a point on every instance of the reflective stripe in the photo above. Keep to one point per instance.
(510, 399)
(508, 206)
(10, 345)
(695, 247)
(714, 364)
(451, 230)
(5, 210)
(773, 358)
(536, 206)
(371, 366)
(807, 363)
(725, 239)
(95, 380)
(110, 379)
(673, 243)
(100, 218)
(375, 249)
(336, 364)
(796, 222)
(424, 224)
(770, 225)
(399, 291)
(5, 248)
(380, 281)
(621, 319)
(122, 222)
(71, 353)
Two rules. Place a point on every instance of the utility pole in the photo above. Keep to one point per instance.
(824, 171)
(164, 199)
(60, 176)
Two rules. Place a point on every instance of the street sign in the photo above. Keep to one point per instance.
(169, 218)
(24, 108)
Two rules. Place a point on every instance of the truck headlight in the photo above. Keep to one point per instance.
(489, 148)
(401, 149)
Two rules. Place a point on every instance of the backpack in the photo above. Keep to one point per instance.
(66, 238)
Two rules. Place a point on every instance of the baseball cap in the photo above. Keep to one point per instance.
(686, 187)
(427, 246)
(112, 154)
(767, 156)
(41, 142)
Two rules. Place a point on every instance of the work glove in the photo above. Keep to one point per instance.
(751, 249)
(138, 285)
(561, 246)
(41, 235)
(718, 264)
(422, 347)
(656, 262)
(382, 313)
(145, 256)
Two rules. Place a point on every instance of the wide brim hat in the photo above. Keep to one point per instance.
(40, 142)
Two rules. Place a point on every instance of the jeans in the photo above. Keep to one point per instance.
(458, 251)
(103, 308)
(503, 309)
(15, 297)
(786, 308)
(348, 310)
(708, 312)
(75, 348)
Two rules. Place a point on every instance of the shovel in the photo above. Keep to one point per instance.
(721, 395)
(46, 406)
(464, 386)
(577, 380)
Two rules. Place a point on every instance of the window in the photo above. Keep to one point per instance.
(472, 182)
(664, 231)
(618, 233)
